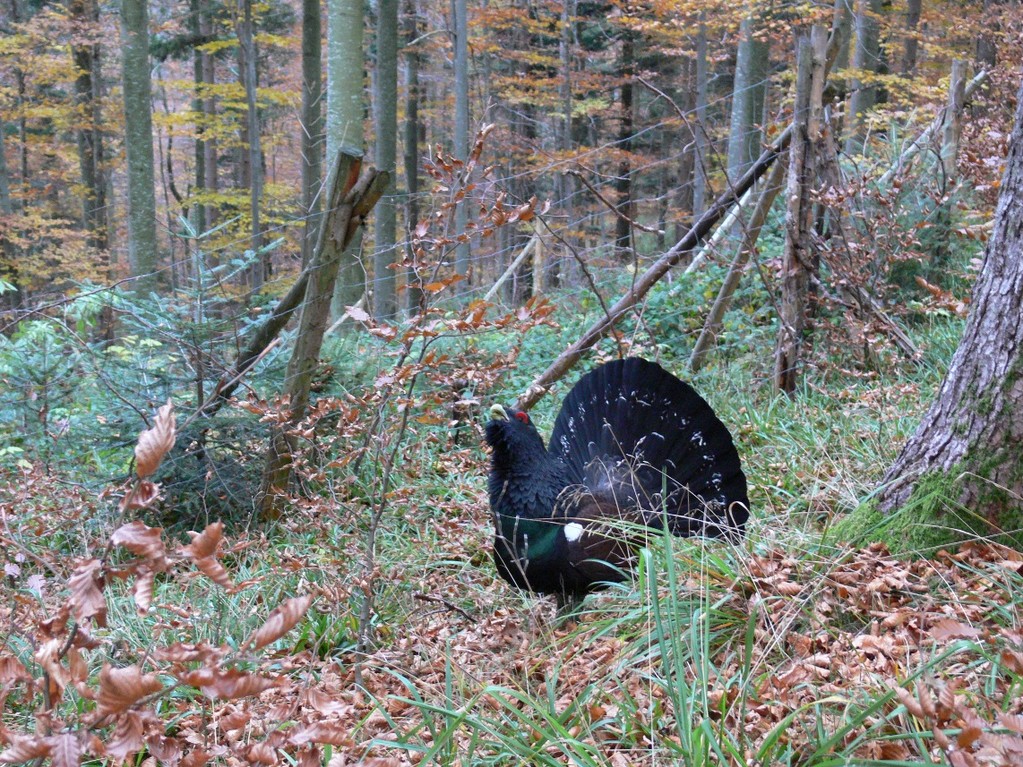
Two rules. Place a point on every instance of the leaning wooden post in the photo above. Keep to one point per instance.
(351, 198)
(797, 262)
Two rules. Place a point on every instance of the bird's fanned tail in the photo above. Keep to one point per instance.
(632, 429)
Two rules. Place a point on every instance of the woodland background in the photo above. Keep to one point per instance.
(164, 172)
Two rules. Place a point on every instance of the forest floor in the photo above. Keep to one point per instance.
(786, 649)
(251, 644)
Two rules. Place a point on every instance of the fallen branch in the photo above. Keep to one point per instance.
(512, 267)
(649, 278)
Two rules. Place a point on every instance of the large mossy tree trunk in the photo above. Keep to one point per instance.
(968, 450)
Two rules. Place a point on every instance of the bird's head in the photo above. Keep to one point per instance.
(511, 434)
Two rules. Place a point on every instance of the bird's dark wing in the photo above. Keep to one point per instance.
(632, 431)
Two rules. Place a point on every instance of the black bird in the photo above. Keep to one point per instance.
(632, 448)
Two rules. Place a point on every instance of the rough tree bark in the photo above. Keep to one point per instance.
(970, 443)
(623, 179)
(351, 198)
(798, 259)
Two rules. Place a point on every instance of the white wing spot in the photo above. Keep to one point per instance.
(573, 532)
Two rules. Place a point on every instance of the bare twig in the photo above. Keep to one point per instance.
(441, 601)
(611, 206)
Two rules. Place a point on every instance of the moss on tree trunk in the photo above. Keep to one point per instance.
(961, 474)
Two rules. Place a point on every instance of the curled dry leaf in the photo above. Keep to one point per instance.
(86, 585)
(1013, 722)
(141, 496)
(206, 543)
(202, 550)
(142, 541)
(48, 656)
(166, 749)
(946, 629)
(156, 442)
(280, 622)
(261, 753)
(912, 705)
(142, 590)
(121, 688)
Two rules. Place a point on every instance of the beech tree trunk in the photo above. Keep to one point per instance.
(385, 123)
(312, 123)
(90, 137)
(623, 181)
(346, 106)
(413, 138)
(700, 153)
(138, 144)
(460, 24)
(247, 73)
(748, 92)
(866, 55)
(972, 436)
(911, 43)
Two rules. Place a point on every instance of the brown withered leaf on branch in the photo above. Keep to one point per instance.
(126, 739)
(86, 585)
(122, 688)
(142, 541)
(48, 656)
(279, 622)
(26, 748)
(13, 670)
(227, 685)
(66, 750)
(188, 653)
(203, 551)
(206, 543)
(142, 495)
(156, 442)
(142, 590)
